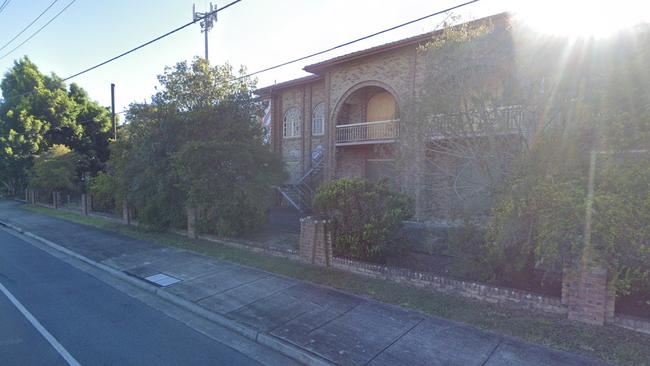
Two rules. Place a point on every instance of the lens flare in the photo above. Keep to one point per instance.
(582, 18)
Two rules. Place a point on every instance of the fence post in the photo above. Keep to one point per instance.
(315, 246)
(84, 204)
(191, 223)
(55, 201)
(126, 215)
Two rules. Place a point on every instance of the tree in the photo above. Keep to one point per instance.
(55, 170)
(530, 174)
(38, 112)
(198, 145)
(96, 123)
(467, 121)
(601, 99)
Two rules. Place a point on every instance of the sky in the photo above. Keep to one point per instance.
(253, 33)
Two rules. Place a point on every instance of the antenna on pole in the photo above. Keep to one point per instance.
(207, 22)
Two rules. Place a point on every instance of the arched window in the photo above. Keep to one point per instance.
(318, 120)
(291, 123)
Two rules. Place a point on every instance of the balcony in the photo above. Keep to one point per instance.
(367, 133)
(501, 121)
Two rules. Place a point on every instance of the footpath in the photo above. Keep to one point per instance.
(310, 323)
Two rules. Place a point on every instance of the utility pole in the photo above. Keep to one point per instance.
(207, 22)
(113, 111)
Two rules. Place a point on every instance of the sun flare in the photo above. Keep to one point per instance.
(582, 18)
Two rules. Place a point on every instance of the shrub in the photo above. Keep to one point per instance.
(102, 188)
(365, 218)
(55, 170)
(466, 244)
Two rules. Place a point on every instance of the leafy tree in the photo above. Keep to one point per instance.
(197, 145)
(96, 123)
(38, 112)
(55, 170)
(599, 103)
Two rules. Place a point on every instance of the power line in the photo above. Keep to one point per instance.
(275, 66)
(4, 5)
(358, 39)
(39, 29)
(29, 25)
(152, 41)
(124, 53)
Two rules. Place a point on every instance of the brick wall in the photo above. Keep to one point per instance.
(631, 323)
(351, 161)
(473, 290)
(296, 151)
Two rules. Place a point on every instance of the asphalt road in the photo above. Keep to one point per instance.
(59, 311)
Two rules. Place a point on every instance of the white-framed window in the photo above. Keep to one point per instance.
(318, 120)
(291, 123)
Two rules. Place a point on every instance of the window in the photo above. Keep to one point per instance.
(291, 123)
(318, 120)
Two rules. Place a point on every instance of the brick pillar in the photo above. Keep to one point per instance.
(315, 245)
(589, 295)
(568, 280)
(126, 215)
(191, 223)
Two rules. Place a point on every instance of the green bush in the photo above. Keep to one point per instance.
(466, 244)
(102, 188)
(365, 218)
(55, 170)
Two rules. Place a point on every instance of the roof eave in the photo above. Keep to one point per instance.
(319, 67)
(267, 91)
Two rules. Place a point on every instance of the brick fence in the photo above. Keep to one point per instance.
(586, 294)
(474, 290)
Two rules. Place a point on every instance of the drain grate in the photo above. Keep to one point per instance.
(162, 279)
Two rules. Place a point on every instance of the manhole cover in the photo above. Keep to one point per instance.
(162, 279)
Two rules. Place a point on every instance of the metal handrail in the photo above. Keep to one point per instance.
(366, 123)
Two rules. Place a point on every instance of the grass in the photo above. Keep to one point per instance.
(609, 343)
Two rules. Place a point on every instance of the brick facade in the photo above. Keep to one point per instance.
(345, 85)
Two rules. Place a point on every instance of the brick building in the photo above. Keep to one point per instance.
(353, 117)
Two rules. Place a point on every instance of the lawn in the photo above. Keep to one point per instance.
(608, 343)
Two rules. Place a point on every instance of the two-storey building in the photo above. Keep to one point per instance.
(351, 117)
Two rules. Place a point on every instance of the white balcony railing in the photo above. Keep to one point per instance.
(367, 132)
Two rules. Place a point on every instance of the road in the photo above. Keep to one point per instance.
(54, 313)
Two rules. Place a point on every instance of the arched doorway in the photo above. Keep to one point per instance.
(367, 126)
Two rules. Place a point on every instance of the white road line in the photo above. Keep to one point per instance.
(55, 344)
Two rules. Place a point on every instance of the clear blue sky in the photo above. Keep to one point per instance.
(255, 33)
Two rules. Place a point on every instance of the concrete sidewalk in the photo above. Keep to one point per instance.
(320, 323)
